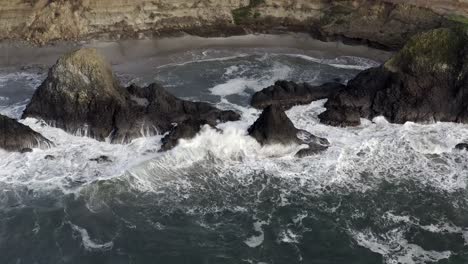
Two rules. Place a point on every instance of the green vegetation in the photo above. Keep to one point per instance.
(459, 19)
(432, 51)
(245, 14)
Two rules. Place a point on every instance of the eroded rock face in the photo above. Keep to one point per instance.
(15, 136)
(82, 96)
(274, 127)
(426, 81)
(387, 22)
(288, 94)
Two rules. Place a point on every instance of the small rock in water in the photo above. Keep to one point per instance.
(102, 159)
(462, 146)
(49, 157)
(26, 150)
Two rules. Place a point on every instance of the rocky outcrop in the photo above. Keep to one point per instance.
(82, 96)
(288, 94)
(426, 81)
(384, 22)
(274, 127)
(15, 136)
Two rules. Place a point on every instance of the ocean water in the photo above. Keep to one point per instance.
(382, 193)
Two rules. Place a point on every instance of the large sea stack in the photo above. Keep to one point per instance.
(426, 81)
(81, 95)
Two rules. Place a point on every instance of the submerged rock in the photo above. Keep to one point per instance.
(274, 127)
(288, 94)
(426, 81)
(101, 159)
(15, 136)
(82, 96)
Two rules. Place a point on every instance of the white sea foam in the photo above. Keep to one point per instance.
(238, 84)
(202, 60)
(342, 62)
(396, 249)
(256, 240)
(88, 243)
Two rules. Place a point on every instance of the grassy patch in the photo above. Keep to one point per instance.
(432, 51)
(459, 19)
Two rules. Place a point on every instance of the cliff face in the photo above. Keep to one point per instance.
(385, 22)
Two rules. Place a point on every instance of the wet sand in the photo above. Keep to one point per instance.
(128, 51)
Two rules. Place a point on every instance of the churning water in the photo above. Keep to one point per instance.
(382, 193)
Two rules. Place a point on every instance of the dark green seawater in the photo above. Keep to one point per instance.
(382, 193)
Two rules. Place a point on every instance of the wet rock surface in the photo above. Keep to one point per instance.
(15, 136)
(274, 127)
(82, 96)
(426, 81)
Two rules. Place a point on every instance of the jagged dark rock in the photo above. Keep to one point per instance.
(274, 127)
(15, 136)
(81, 95)
(426, 81)
(288, 94)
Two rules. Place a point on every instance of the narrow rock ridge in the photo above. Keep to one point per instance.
(388, 23)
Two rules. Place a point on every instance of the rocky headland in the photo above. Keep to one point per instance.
(427, 81)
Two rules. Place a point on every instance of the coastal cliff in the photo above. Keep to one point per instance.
(388, 23)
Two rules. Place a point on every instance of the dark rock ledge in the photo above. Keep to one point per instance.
(17, 137)
(81, 95)
(274, 127)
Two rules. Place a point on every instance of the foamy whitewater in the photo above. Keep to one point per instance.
(382, 193)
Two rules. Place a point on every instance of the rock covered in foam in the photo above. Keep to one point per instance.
(288, 94)
(15, 136)
(81, 95)
(426, 81)
(274, 127)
